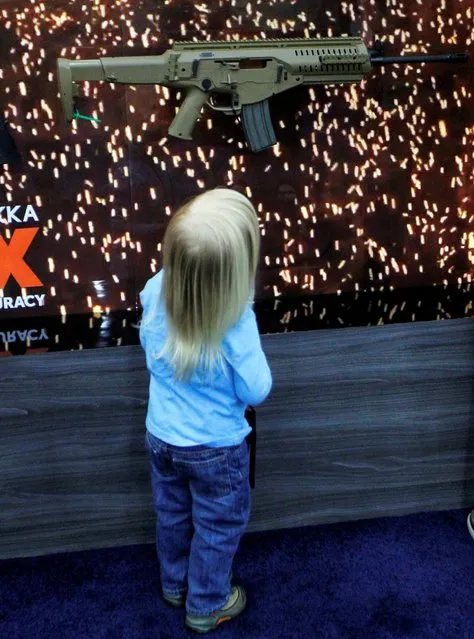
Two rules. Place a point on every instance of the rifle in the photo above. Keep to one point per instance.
(245, 73)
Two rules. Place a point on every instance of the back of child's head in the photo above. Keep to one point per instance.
(210, 256)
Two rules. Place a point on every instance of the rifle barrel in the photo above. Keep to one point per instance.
(453, 58)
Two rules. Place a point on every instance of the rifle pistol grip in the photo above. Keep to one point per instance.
(184, 121)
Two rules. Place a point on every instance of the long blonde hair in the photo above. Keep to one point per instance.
(211, 251)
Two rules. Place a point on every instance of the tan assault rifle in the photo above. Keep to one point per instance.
(245, 74)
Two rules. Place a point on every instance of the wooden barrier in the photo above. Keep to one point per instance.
(361, 423)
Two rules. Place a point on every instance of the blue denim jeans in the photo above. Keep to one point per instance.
(202, 503)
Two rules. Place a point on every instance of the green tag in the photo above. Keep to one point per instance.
(78, 116)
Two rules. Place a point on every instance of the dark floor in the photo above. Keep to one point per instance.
(409, 577)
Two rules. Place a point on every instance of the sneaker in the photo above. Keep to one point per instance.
(470, 523)
(236, 604)
(177, 601)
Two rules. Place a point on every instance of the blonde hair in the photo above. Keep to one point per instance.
(211, 250)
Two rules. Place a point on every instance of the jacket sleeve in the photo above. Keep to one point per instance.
(243, 350)
(148, 297)
(141, 332)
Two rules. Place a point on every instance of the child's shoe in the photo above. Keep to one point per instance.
(470, 523)
(234, 606)
(177, 601)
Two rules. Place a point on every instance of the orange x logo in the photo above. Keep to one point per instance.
(12, 259)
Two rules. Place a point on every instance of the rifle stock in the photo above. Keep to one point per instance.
(68, 90)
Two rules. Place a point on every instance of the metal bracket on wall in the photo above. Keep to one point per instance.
(8, 151)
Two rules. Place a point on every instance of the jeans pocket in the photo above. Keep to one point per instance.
(210, 477)
(160, 460)
(241, 459)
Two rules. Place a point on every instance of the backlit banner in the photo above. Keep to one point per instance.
(14, 245)
(370, 187)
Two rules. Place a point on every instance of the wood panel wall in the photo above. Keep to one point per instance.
(361, 423)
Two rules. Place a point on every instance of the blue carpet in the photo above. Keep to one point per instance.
(408, 577)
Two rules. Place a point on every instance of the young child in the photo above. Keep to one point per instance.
(206, 364)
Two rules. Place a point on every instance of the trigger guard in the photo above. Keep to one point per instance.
(228, 110)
